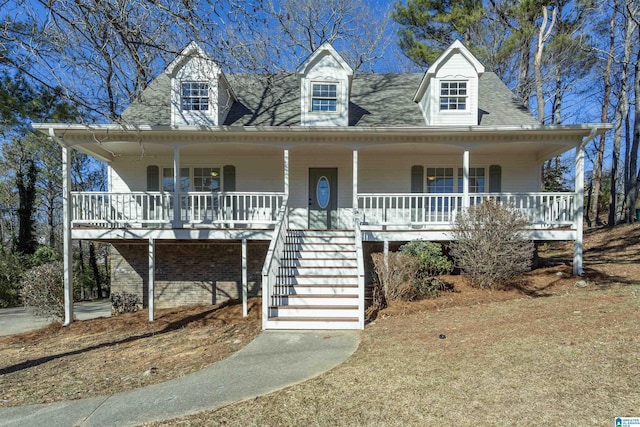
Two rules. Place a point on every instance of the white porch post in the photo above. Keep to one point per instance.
(152, 279)
(579, 209)
(465, 179)
(286, 172)
(67, 257)
(177, 217)
(355, 182)
(245, 284)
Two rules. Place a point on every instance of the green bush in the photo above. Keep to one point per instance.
(11, 270)
(432, 263)
(489, 245)
(43, 290)
(44, 255)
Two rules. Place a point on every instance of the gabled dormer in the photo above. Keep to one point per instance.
(200, 93)
(448, 92)
(325, 84)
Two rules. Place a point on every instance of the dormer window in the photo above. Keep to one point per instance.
(324, 97)
(453, 95)
(195, 96)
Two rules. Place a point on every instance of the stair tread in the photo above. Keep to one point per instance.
(350, 276)
(315, 307)
(317, 295)
(319, 285)
(314, 319)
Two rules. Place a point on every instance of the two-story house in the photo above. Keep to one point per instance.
(229, 185)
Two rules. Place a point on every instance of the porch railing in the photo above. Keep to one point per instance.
(131, 209)
(273, 259)
(440, 209)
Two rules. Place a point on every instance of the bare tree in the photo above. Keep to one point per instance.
(593, 215)
(293, 29)
(544, 32)
(104, 53)
(632, 174)
(622, 108)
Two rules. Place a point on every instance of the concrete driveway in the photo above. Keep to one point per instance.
(18, 319)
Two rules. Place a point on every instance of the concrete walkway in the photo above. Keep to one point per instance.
(18, 319)
(275, 359)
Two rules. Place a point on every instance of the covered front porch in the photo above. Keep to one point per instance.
(382, 185)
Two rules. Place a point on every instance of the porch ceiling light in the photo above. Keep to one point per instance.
(214, 174)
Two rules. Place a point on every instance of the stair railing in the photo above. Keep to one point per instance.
(360, 261)
(272, 261)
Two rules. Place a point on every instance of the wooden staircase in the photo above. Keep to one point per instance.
(317, 282)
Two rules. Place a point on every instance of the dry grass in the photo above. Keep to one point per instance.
(546, 352)
(103, 356)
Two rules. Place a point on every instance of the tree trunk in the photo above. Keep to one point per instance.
(26, 185)
(596, 177)
(631, 175)
(94, 266)
(81, 267)
(621, 118)
(543, 34)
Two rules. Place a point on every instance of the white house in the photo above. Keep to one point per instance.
(227, 185)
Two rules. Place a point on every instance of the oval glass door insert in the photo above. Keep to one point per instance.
(322, 192)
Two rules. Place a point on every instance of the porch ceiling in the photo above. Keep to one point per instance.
(106, 142)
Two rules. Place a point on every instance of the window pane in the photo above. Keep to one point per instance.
(440, 180)
(476, 180)
(324, 97)
(206, 179)
(453, 95)
(195, 96)
(167, 180)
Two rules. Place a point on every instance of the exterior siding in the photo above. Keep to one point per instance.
(326, 69)
(380, 173)
(456, 67)
(188, 272)
(262, 171)
(196, 70)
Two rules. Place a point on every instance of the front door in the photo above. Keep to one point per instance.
(323, 198)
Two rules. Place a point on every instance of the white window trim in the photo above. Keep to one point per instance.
(208, 97)
(466, 97)
(337, 98)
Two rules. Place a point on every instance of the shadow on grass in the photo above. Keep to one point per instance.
(172, 326)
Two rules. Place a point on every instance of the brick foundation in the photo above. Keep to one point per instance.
(187, 272)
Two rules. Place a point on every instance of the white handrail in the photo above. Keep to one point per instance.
(360, 261)
(273, 258)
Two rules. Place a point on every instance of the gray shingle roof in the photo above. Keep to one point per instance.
(376, 100)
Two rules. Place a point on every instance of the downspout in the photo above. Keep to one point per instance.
(579, 209)
(67, 256)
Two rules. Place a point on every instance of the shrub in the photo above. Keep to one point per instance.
(124, 302)
(43, 290)
(394, 280)
(489, 246)
(432, 263)
(44, 255)
(11, 270)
